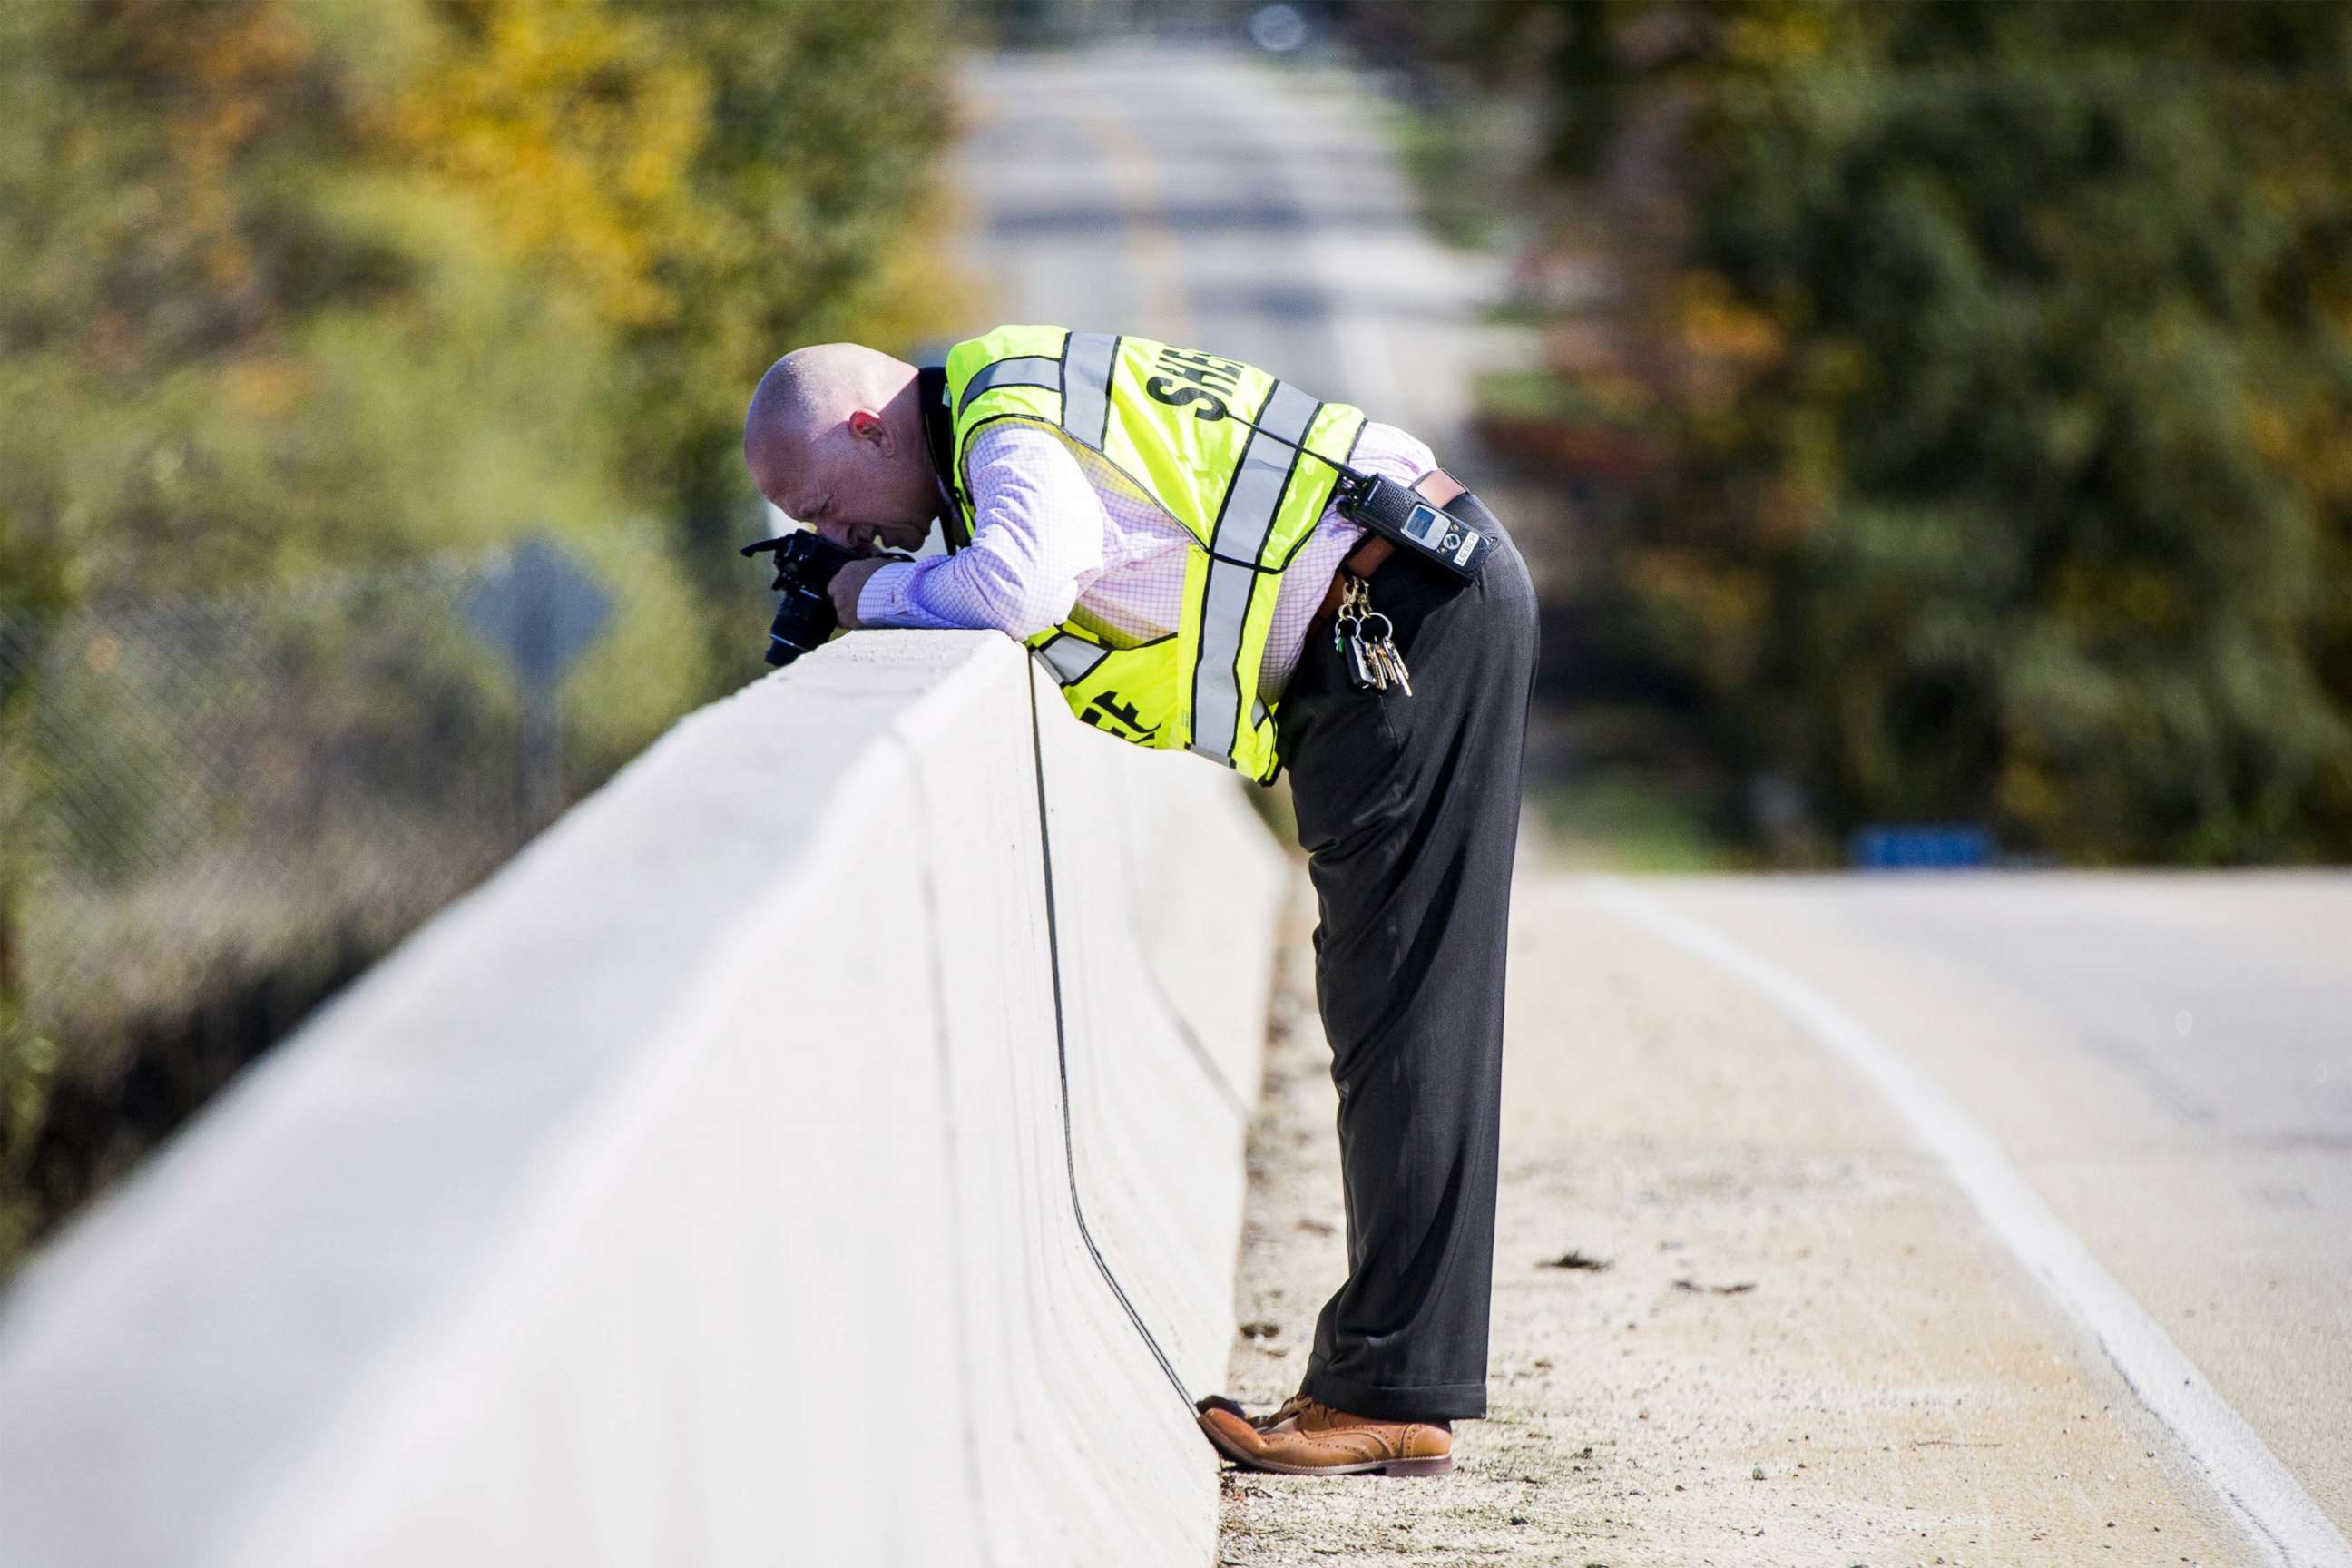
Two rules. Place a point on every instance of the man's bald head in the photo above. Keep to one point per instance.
(812, 389)
(833, 435)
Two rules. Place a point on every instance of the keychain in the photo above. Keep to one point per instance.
(1372, 658)
(1347, 639)
(1384, 652)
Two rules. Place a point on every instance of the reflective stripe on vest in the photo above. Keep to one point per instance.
(1156, 413)
(1029, 369)
(1072, 659)
(1086, 387)
(1233, 574)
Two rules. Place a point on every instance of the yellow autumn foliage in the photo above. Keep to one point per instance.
(573, 129)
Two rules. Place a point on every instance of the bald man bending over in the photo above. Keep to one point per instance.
(1141, 515)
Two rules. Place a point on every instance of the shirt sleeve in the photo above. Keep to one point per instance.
(1037, 543)
(1391, 453)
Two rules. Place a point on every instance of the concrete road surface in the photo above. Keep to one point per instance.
(1746, 1313)
(1915, 1194)
(1199, 196)
(2166, 1060)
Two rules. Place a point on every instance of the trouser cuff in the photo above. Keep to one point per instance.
(1382, 1402)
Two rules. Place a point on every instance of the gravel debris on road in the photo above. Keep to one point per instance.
(1801, 1349)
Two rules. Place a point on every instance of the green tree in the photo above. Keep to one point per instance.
(713, 177)
(1999, 365)
(317, 296)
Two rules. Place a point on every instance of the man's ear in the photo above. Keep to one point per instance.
(864, 424)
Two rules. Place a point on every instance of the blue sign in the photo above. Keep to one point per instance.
(1947, 846)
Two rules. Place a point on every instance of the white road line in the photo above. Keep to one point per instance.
(2276, 1512)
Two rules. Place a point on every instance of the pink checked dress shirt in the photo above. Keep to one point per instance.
(1060, 534)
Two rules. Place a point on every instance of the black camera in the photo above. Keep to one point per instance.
(806, 566)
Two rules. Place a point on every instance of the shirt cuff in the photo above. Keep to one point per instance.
(891, 596)
(882, 598)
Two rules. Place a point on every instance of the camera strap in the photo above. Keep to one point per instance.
(939, 439)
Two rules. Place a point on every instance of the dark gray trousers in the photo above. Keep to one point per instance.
(1409, 809)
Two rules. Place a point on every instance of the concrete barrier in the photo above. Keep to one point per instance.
(697, 1190)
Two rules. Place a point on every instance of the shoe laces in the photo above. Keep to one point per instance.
(1296, 1405)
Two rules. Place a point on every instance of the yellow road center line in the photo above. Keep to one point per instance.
(1150, 242)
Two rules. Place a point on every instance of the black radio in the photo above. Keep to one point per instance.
(1454, 544)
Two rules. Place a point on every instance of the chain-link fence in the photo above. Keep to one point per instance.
(212, 811)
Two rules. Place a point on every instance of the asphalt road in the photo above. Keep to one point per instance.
(2166, 1059)
(2160, 1063)
(1204, 198)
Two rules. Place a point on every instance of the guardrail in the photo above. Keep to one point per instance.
(700, 1190)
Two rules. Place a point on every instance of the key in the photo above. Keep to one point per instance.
(1384, 649)
(1362, 671)
(1395, 661)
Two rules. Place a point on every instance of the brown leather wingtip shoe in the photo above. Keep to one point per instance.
(1309, 1439)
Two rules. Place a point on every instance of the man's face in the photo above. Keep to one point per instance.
(855, 485)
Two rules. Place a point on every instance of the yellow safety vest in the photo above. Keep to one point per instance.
(1158, 415)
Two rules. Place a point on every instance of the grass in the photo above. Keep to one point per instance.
(1545, 394)
(1626, 822)
(1449, 154)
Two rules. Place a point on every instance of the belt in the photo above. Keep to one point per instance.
(1438, 487)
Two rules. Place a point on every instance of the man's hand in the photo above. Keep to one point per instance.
(846, 585)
